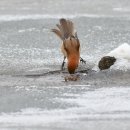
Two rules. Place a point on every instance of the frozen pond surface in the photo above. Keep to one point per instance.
(33, 93)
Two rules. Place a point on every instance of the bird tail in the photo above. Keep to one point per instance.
(65, 29)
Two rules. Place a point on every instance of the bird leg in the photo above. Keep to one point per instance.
(63, 63)
(82, 60)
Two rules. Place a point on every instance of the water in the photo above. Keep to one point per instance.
(33, 92)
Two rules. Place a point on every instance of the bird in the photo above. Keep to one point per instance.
(70, 46)
(106, 62)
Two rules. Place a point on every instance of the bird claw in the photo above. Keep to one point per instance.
(82, 60)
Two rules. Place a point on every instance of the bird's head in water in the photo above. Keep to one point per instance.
(106, 62)
(73, 62)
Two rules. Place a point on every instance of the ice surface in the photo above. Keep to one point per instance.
(33, 92)
(101, 104)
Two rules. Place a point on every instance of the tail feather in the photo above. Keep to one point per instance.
(70, 28)
(65, 29)
(58, 33)
(60, 28)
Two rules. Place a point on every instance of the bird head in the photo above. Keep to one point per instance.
(106, 62)
(73, 61)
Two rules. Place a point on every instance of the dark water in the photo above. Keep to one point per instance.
(33, 92)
